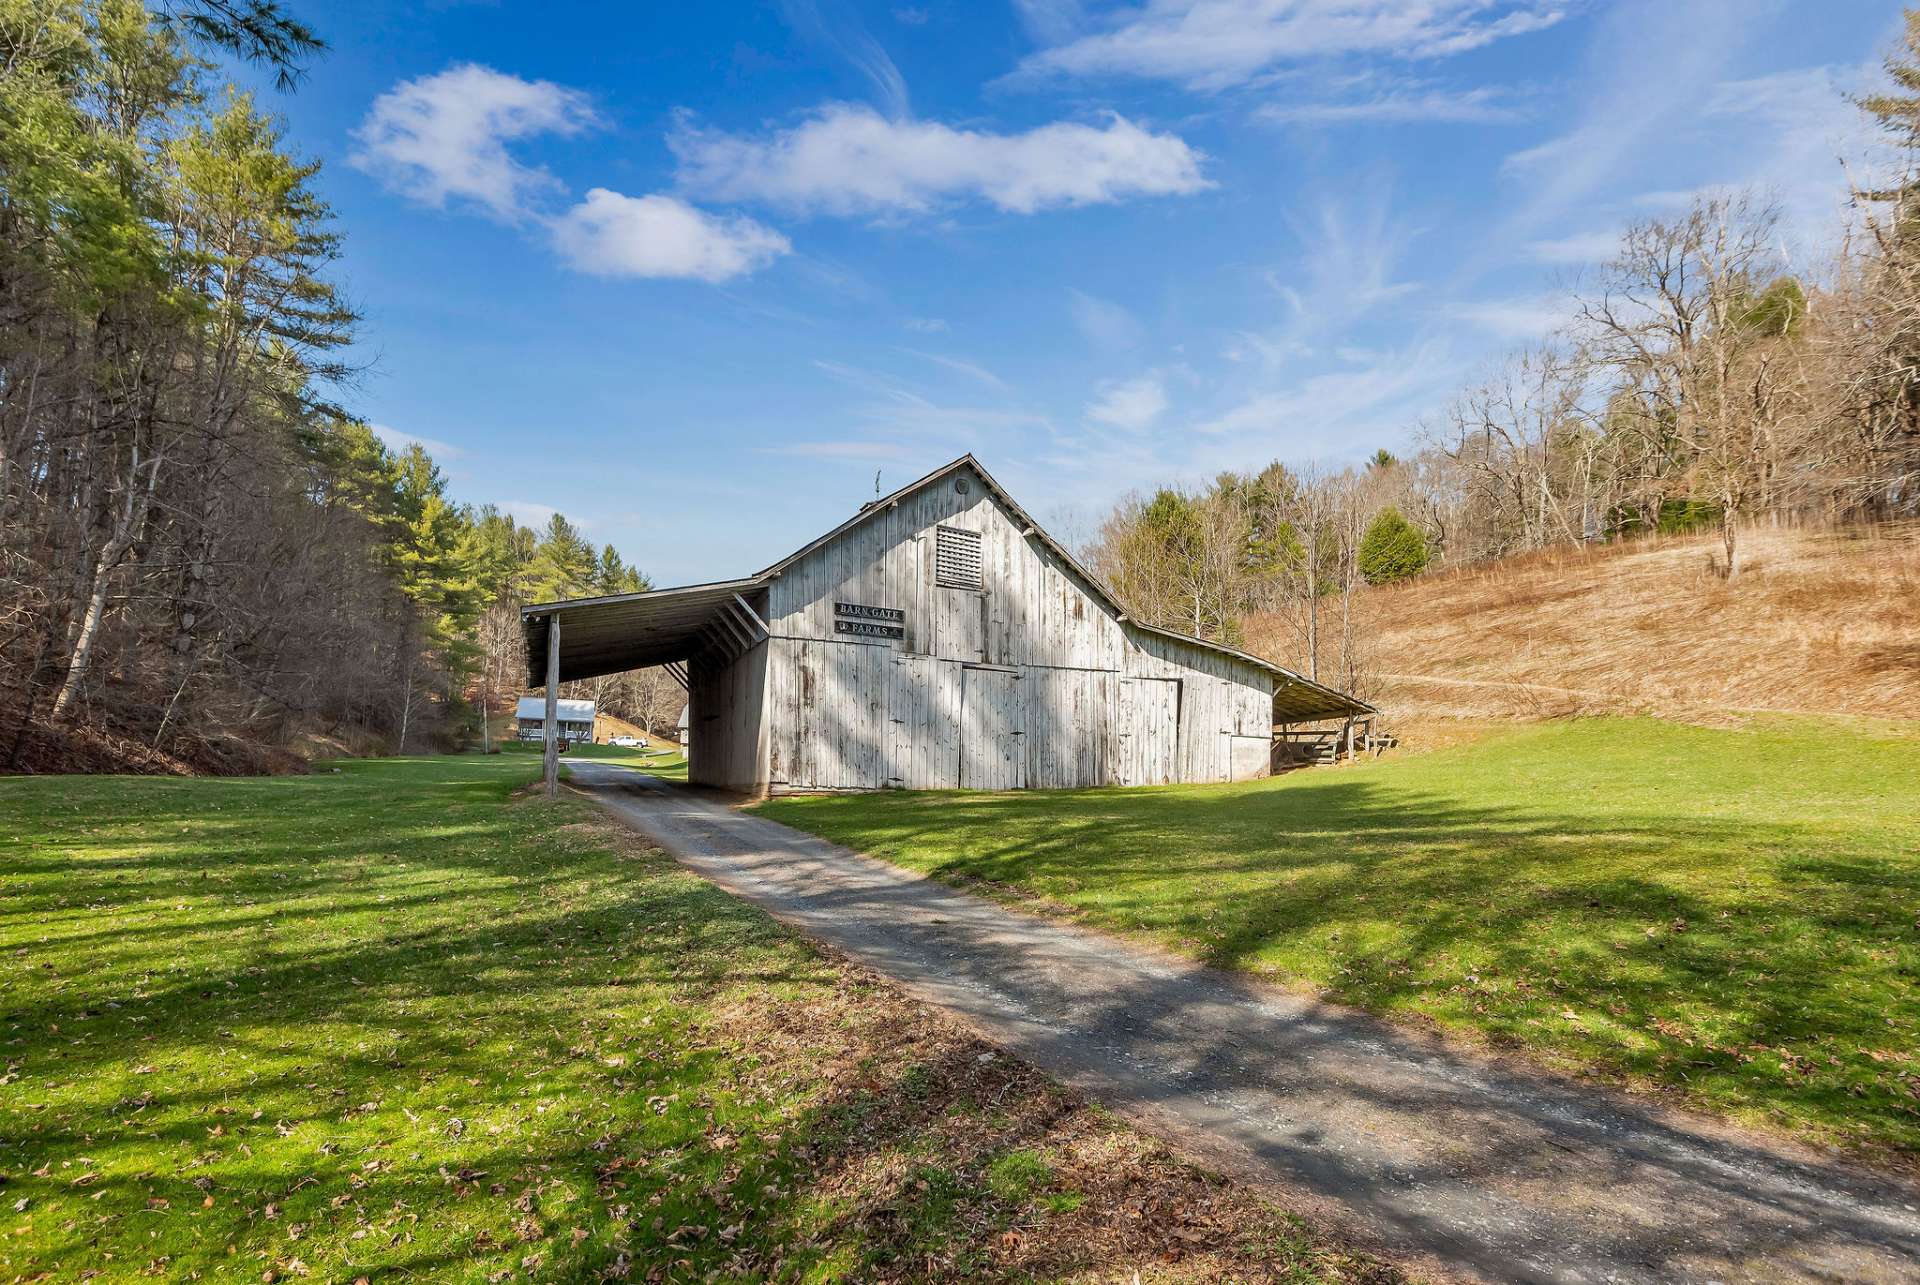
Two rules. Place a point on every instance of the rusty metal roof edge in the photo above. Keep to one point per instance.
(645, 595)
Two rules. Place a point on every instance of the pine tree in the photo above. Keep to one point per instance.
(1392, 549)
(436, 561)
(615, 576)
(564, 566)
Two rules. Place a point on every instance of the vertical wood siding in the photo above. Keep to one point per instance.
(1072, 696)
(726, 721)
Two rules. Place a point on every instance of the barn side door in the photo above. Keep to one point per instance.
(1147, 732)
(993, 726)
(923, 700)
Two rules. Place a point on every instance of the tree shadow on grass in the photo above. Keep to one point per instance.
(1765, 967)
(555, 1052)
(1502, 1172)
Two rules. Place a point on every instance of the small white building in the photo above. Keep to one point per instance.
(937, 638)
(576, 719)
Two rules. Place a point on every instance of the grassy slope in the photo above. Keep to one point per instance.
(1735, 914)
(389, 1022)
(1820, 621)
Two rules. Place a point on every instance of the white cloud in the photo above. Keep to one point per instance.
(444, 137)
(1105, 324)
(612, 235)
(531, 513)
(848, 159)
(911, 16)
(395, 440)
(1578, 250)
(1132, 404)
(1213, 44)
(926, 325)
(1486, 105)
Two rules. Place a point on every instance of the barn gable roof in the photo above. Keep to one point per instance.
(664, 624)
(1313, 700)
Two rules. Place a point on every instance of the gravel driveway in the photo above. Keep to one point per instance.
(1449, 1160)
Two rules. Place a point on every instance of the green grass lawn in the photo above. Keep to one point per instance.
(1734, 914)
(397, 1021)
(672, 765)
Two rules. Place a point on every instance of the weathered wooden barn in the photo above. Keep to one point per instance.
(937, 638)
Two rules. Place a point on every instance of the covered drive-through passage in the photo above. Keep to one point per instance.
(588, 637)
(936, 639)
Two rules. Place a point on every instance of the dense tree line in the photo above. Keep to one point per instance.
(1696, 385)
(201, 551)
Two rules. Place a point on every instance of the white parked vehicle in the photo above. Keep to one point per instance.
(627, 742)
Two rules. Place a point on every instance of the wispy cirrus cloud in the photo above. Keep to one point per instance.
(1132, 405)
(1102, 322)
(1322, 411)
(1486, 105)
(847, 159)
(398, 440)
(1577, 250)
(961, 366)
(1525, 319)
(1215, 44)
(881, 452)
(833, 25)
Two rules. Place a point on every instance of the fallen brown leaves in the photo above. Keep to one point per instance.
(913, 1113)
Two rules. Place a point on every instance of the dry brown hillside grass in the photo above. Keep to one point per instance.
(1823, 621)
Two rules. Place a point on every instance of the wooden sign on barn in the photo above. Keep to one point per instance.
(936, 639)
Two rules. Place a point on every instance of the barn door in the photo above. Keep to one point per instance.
(993, 725)
(1148, 734)
(922, 702)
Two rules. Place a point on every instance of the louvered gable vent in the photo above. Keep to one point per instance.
(956, 558)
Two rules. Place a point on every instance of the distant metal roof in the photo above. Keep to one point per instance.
(570, 711)
(629, 631)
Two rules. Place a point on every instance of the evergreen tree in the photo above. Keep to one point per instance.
(615, 576)
(500, 552)
(1392, 549)
(437, 561)
(564, 566)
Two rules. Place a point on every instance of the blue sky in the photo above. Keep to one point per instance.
(693, 273)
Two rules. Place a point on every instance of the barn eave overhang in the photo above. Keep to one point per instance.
(618, 632)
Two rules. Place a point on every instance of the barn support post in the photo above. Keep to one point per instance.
(552, 749)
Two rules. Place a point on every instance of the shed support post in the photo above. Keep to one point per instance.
(552, 755)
